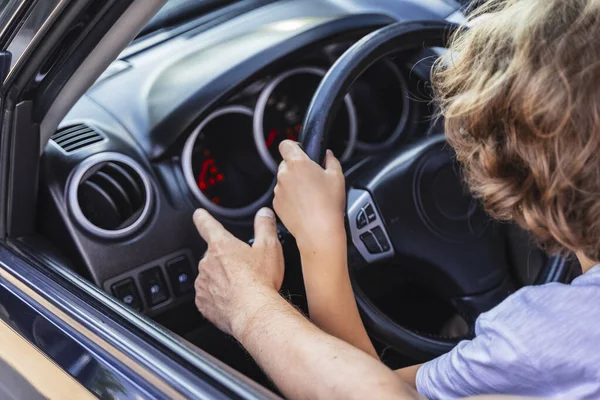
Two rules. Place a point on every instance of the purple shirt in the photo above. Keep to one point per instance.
(541, 341)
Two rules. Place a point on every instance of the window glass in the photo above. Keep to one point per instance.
(32, 25)
(7, 8)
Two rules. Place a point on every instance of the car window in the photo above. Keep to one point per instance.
(7, 9)
(30, 28)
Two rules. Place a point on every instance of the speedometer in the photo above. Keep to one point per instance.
(222, 167)
(281, 109)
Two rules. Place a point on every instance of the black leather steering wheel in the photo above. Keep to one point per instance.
(412, 204)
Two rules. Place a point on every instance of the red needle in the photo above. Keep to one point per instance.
(271, 138)
(206, 164)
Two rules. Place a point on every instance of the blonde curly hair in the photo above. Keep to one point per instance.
(520, 94)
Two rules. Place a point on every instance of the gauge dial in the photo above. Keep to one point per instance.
(382, 103)
(223, 168)
(281, 109)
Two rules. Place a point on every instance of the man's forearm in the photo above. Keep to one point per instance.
(331, 301)
(307, 363)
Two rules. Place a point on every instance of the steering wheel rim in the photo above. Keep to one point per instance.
(398, 37)
(381, 43)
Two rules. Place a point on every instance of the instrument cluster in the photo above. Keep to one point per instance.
(230, 160)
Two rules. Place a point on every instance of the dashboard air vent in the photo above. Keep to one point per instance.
(76, 137)
(110, 195)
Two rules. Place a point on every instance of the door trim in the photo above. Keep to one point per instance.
(168, 356)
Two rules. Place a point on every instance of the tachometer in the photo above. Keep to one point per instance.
(280, 111)
(382, 103)
(222, 166)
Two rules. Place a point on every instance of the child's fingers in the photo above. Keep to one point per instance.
(332, 163)
(290, 150)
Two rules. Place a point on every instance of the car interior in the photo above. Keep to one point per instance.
(190, 116)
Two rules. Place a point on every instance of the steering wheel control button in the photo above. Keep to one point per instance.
(370, 243)
(381, 239)
(126, 291)
(154, 287)
(180, 275)
(366, 227)
(370, 212)
(361, 219)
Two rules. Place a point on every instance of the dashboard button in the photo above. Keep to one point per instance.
(370, 243)
(181, 275)
(370, 212)
(381, 239)
(361, 219)
(126, 291)
(153, 286)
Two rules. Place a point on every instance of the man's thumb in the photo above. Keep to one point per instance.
(265, 227)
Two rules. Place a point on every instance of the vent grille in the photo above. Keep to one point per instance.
(112, 195)
(73, 138)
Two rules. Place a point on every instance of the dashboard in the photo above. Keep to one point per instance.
(193, 118)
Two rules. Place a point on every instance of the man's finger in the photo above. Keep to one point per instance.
(282, 166)
(332, 163)
(209, 228)
(265, 227)
(291, 150)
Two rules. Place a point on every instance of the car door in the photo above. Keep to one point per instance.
(60, 336)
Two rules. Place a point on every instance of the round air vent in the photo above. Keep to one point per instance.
(110, 195)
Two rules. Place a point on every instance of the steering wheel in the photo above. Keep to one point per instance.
(411, 205)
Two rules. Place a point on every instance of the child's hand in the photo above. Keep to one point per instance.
(310, 200)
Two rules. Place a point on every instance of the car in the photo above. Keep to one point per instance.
(121, 117)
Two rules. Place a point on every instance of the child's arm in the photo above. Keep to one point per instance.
(330, 297)
(310, 201)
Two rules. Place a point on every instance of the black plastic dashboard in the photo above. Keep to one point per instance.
(194, 121)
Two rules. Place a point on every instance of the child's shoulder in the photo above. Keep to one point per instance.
(539, 316)
(545, 300)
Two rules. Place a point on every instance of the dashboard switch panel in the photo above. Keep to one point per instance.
(154, 286)
(127, 292)
(181, 275)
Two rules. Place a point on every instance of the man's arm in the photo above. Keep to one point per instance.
(237, 289)
(307, 363)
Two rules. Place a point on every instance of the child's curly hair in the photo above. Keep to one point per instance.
(520, 93)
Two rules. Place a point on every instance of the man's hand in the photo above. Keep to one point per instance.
(237, 290)
(310, 200)
(232, 273)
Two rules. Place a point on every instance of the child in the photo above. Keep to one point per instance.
(520, 93)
